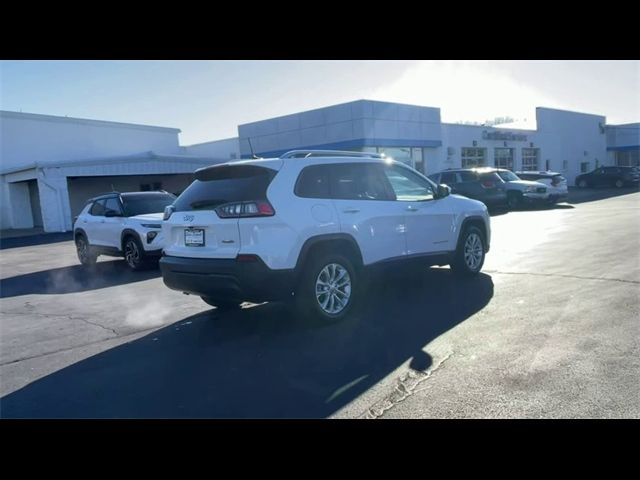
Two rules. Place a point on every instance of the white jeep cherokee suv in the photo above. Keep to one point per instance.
(125, 225)
(309, 225)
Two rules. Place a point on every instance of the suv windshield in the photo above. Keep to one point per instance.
(508, 176)
(146, 203)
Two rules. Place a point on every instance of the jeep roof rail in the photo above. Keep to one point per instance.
(329, 153)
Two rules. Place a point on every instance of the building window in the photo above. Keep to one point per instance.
(411, 156)
(474, 157)
(584, 167)
(504, 158)
(530, 159)
(147, 187)
(629, 158)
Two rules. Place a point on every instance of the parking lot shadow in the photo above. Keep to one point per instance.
(73, 279)
(259, 362)
(31, 240)
(580, 195)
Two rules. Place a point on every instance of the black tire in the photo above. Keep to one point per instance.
(134, 254)
(514, 200)
(315, 305)
(582, 184)
(85, 251)
(222, 305)
(462, 264)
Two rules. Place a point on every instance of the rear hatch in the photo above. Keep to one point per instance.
(203, 221)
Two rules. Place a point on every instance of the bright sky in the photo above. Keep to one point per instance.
(208, 99)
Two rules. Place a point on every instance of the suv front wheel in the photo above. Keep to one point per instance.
(85, 252)
(469, 256)
(328, 288)
(134, 254)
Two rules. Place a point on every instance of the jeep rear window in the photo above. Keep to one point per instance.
(219, 185)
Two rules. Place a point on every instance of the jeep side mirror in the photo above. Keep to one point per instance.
(443, 190)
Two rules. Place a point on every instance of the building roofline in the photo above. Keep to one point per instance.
(337, 105)
(485, 127)
(137, 157)
(83, 121)
(570, 111)
(210, 141)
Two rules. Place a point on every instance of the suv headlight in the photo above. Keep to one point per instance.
(530, 189)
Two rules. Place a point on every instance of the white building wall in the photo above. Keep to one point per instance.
(29, 138)
(21, 212)
(227, 149)
(577, 138)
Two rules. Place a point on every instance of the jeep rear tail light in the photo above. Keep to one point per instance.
(258, 208)
(168, 210)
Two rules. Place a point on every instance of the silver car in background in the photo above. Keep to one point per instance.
(556, 184)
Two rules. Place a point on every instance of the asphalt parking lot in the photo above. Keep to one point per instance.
(549, 329)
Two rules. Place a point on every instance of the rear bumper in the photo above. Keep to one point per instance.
(226, 279)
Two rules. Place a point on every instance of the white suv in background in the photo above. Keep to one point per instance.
(309, 225)
(125, 225)
(555, 182)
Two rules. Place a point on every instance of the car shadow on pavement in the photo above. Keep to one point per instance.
(76, 278)
(583, 195)
(259, 362)
(32, 240)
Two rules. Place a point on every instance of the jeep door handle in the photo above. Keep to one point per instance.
(411, 208)
(351, 210)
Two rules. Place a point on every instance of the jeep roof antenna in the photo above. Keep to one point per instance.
(251, 148)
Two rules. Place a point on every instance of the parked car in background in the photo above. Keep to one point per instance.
(555, 182)
(617, 177)
(480, 184)
(493, 186)
(125, 225)
(311, 230)
(523, 192)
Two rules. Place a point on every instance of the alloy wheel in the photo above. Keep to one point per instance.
(473, 251)
(333, 288)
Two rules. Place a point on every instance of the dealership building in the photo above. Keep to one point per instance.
(50, 165)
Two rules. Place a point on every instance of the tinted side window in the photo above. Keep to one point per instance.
(97, 209)
(434, 178)
(491, 179)
(313, 182)
(449, 178)
(363, 181)
(468, 177)
(112, 204)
